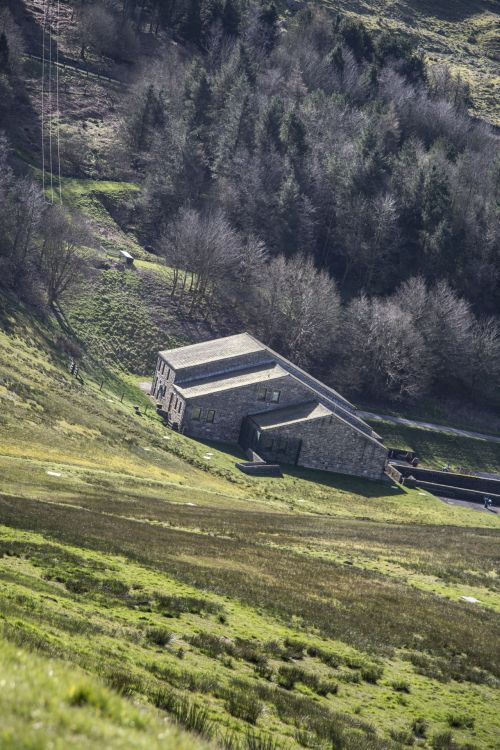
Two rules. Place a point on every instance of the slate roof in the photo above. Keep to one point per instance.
(230, 380)
(291, 414)
(211, 351)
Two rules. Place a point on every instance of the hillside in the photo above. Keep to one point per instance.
(305, 176)
(461, 34)
(244, 608)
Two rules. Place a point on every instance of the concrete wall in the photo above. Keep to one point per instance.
(331, 445)
(232, 406)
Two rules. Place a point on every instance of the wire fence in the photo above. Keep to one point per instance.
(112, 392)
(76, 69)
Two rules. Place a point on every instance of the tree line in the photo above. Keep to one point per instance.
(314, 180)
(39, 241)
(336, 187)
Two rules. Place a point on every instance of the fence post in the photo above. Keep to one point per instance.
(121, 400)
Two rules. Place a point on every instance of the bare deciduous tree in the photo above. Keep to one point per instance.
(299, 308)
(60, 261)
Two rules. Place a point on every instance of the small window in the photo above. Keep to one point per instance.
(274, 397)
(196, 414)
(261, 396)
(210, 415)
(168, 373)
(266, 442)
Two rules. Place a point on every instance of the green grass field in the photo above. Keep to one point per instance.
(147, 583)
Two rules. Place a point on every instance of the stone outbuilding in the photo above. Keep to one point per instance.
(237, 390)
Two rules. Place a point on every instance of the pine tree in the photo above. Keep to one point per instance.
(230, 18)
(269, 126)
(269, 20)
(293, 135)
(436, 234)
(4, 54)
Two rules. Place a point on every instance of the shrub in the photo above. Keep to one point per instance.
(403, 736)
(263, 669)
(420, 727)
(79, 585)
(293, 649)
(123, 682)
(190, 715)
(288, 676)
(164, 699)
(257, 741)
(244, 705)
(460, 721)
(372, 673)
(249, 651)
(401, 686)
(174, 606)
(114, 587)
(327, 687)
(87, 695)
(443, 741)
(193, 717)
(158, 636)
(305, 738)
(212, 645)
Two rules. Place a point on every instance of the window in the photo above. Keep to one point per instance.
(210, 415)
(168, 373)
(266, 442)
(266, 394)
(196, 414)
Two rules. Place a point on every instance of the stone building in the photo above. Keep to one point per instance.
(237, 390)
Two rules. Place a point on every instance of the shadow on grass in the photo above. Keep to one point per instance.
(355, 485)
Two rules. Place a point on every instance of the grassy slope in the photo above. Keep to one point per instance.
(437, 449)
(130, 509)
(47, 703)
(463, 34)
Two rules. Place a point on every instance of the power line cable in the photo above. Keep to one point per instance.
(43, 93)
(57, 104)
(50, 107)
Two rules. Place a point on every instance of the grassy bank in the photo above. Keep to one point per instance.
(260, 613)
(438, 449)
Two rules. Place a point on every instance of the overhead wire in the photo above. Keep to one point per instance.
(58, 121)
(45, 5)
(50, 104)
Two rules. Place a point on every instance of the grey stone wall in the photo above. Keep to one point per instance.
(162, 387)
(331, 445)
(177, 411)
(232, 406)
